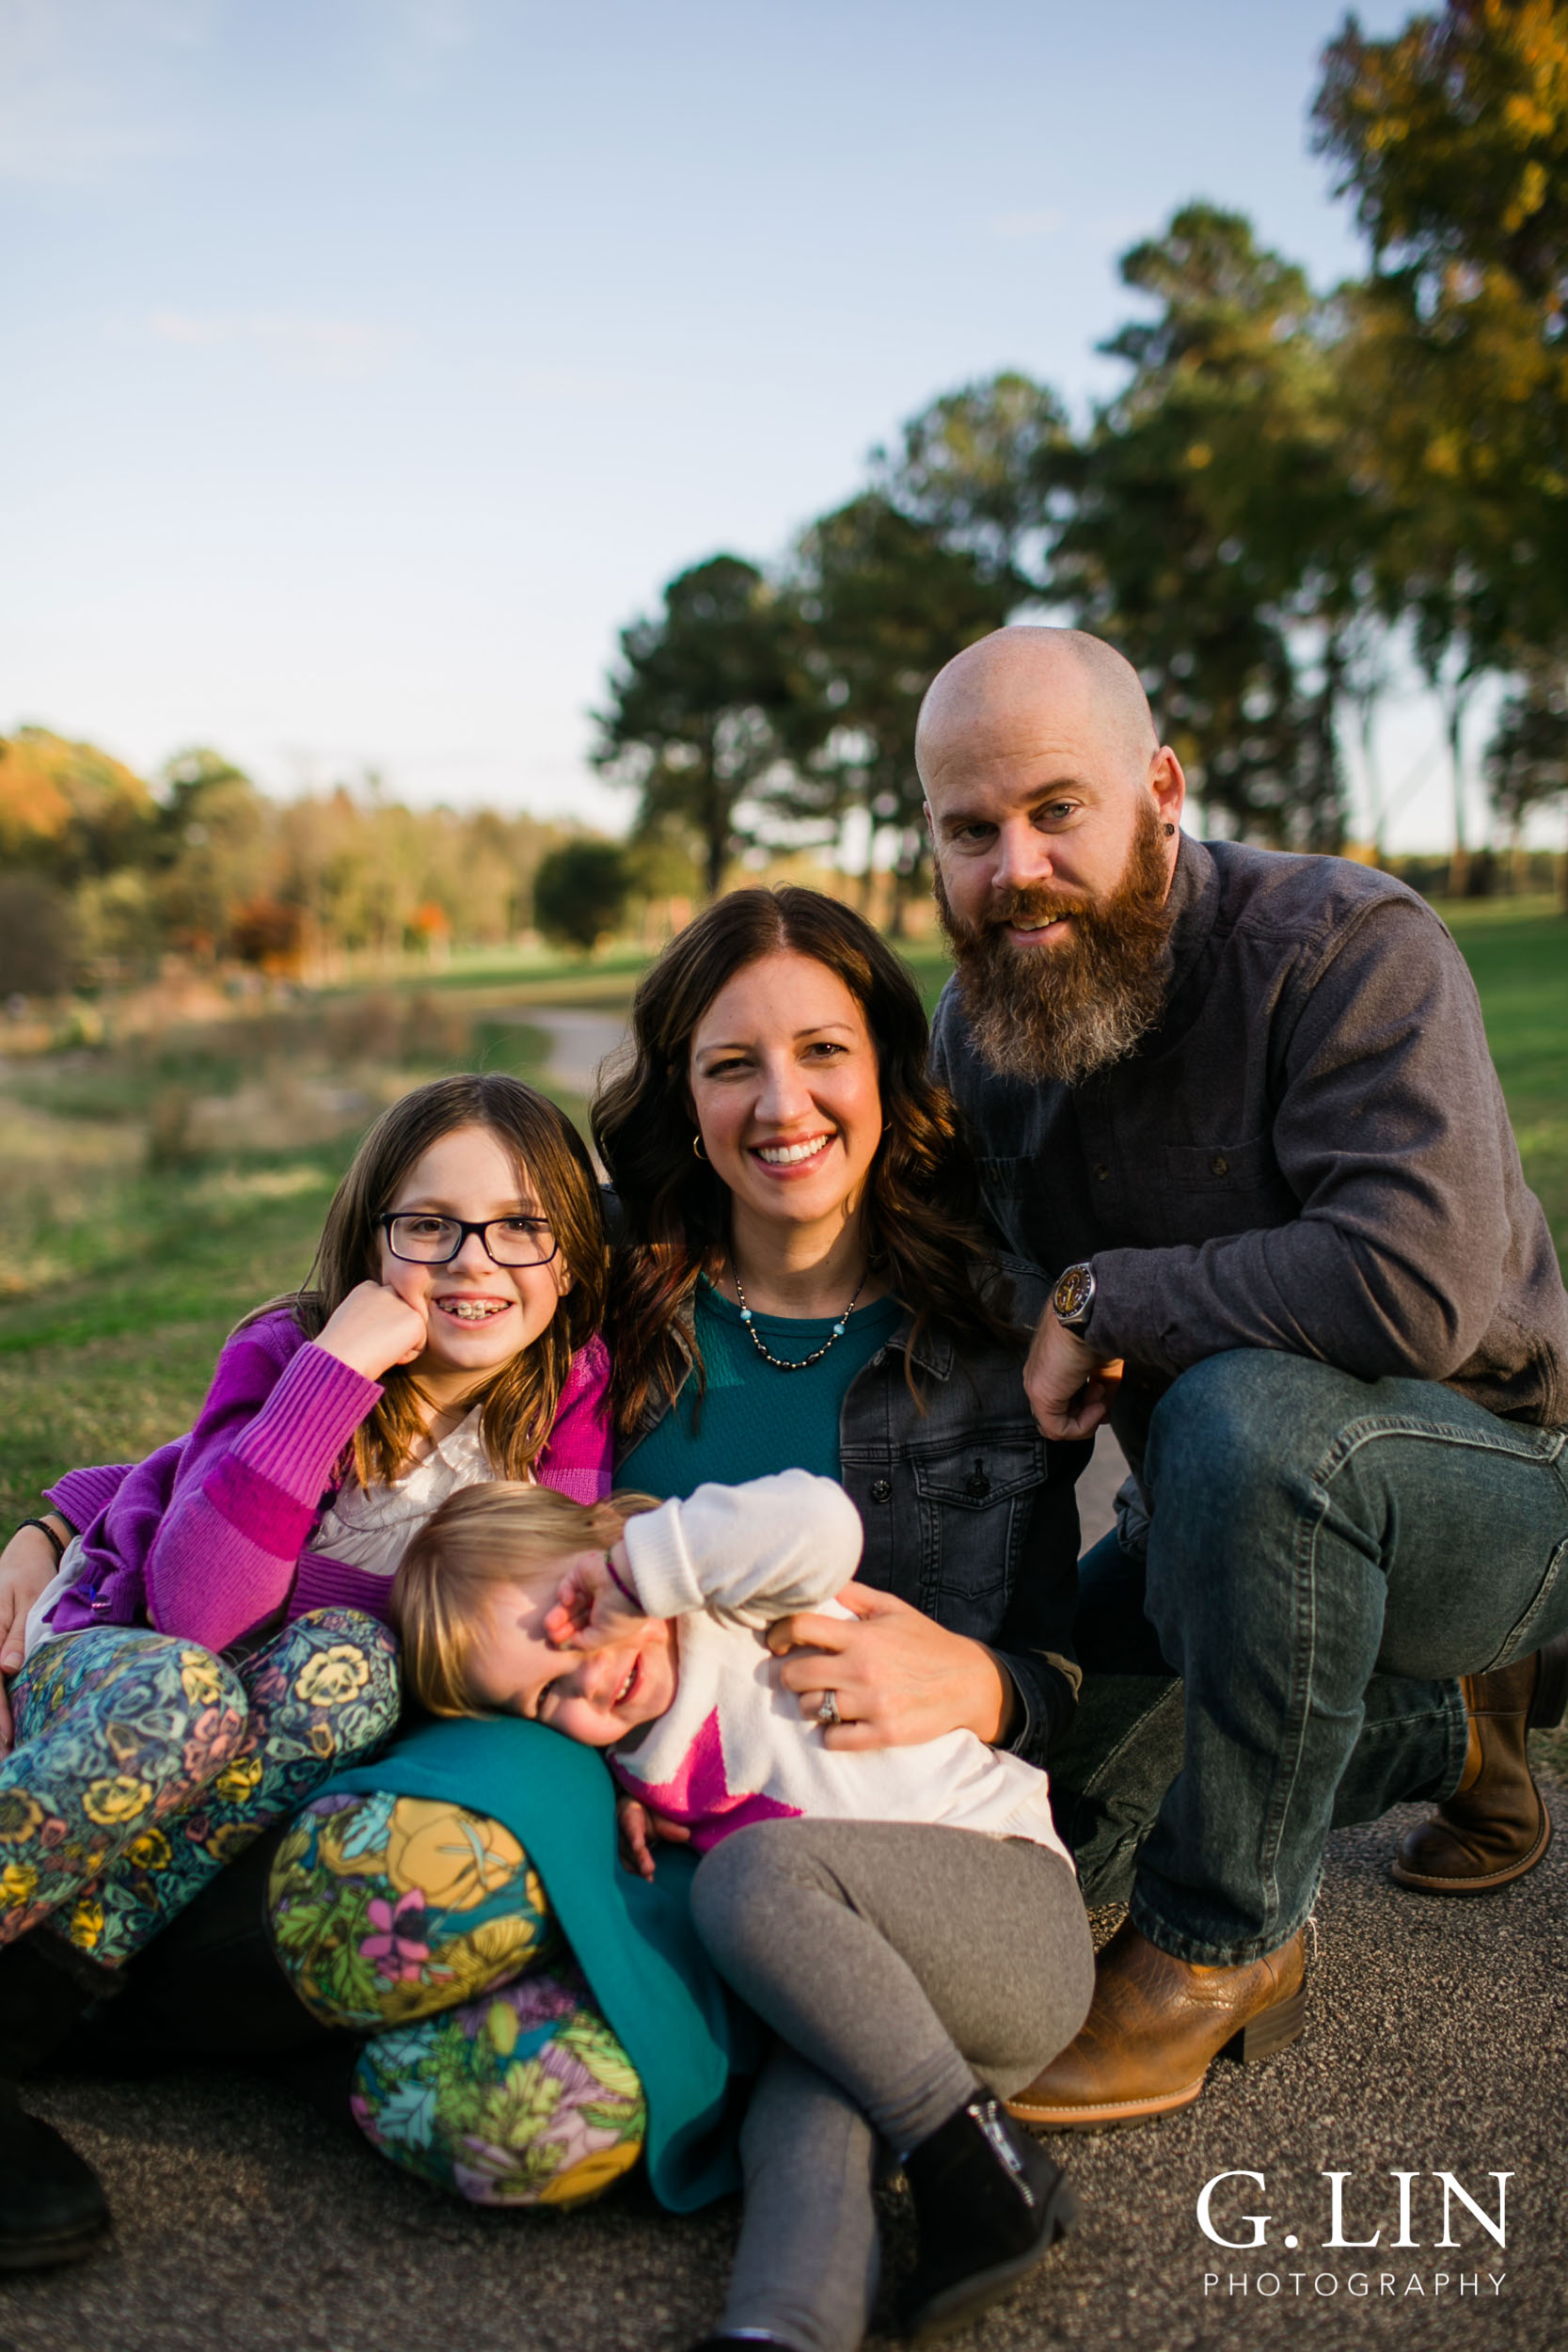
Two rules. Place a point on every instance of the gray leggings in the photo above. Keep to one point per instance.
(898, 1964)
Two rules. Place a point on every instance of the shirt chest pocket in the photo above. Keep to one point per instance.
(975, 1499)
(1208, 1189)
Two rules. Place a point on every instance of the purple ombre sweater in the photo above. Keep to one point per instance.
(207, 1538)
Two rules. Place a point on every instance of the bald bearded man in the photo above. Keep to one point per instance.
(1240, 1105)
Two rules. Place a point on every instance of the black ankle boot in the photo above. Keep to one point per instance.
(51, 2206)
(46, 1988)
(989, 2203)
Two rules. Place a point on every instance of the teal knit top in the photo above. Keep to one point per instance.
(753, 1419)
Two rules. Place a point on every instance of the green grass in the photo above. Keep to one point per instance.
(118, 1283)
(931, 965)
(527, 975)
(1517, 950)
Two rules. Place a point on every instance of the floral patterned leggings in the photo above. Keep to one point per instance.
(144, 1764)
(489, 2070)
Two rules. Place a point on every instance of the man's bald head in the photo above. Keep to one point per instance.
(996, 699)
(1054, 810)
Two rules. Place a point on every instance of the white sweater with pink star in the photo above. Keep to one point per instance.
(732, 1747)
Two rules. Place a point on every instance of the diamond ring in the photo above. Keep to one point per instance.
(828, 1712)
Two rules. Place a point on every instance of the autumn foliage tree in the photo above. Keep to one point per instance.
(106, 873)
(68, 810)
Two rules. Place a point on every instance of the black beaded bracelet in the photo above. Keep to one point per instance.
(44, 1529)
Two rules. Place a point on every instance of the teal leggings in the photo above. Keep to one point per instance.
(144, 1764)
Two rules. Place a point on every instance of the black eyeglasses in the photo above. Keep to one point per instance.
(421, 1239)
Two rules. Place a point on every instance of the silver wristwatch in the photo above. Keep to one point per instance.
(1072, 1300)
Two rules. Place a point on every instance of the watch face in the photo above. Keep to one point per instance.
(1074, 1293)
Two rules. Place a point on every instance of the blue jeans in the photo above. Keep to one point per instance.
(1324, 1556)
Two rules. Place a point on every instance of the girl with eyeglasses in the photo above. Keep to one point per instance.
(214, 1644)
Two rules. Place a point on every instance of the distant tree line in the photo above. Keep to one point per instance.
(1287, 486)
(102, 873)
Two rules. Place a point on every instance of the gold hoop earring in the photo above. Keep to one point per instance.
(697, 1151)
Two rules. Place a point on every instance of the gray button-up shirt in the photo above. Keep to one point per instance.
(1311, 1152)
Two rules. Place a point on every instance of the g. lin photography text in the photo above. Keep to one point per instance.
(1361, 2283)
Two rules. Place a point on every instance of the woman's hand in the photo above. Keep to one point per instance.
(639, 1826)
(898, 1676)
(375, 1328)
(27, 1565)
(593, 1602)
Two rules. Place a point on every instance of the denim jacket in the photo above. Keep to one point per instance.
(969, 1514)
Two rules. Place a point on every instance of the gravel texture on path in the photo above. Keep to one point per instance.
(247, 2223)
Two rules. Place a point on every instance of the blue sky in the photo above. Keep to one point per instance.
(368, 363)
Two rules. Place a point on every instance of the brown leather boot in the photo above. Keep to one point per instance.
(1153, 2028)
(1495, 1825)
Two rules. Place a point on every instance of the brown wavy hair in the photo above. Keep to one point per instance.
(921, 1208)
(522, 1397)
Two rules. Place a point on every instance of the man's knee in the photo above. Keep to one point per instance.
(1236, 1428)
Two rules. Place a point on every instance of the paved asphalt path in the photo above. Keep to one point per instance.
(247, 2223)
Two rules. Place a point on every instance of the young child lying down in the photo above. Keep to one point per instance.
(906, 1919)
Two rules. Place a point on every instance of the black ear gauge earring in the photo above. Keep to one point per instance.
(1170, 830)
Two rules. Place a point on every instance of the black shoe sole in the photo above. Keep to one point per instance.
(956, 2306)
(43, 2253)
(1548, 1701)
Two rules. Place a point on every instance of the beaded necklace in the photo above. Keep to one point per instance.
(785, 1363)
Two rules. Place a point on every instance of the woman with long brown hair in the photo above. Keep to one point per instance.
(802, 1281)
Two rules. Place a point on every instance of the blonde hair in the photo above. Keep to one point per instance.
(499, 1532)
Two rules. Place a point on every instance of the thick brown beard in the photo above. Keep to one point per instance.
(1064, 1012)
